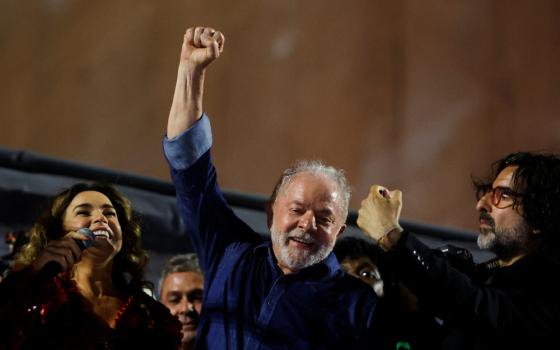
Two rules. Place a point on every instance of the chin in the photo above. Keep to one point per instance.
(486, 240)
(188, 338)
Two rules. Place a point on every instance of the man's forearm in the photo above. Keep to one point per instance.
(186, 108)
(201, 46)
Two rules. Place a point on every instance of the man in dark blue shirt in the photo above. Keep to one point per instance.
(286, 294)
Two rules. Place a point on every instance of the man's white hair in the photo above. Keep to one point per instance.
(318, 168)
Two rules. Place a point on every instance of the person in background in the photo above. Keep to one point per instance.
(405, 325)
(14, 240)
(513, 302)
(78, 283)
(180, 289)
(357, 257)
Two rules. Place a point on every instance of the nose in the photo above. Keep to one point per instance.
(484, 204)
(185, 306)
(307, 221)
(98, 216)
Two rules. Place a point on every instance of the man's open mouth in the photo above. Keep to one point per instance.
(303, 241)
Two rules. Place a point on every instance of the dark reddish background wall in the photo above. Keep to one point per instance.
(413, 94)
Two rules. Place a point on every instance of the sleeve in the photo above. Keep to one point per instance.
(25, 303)
(455, 298)
(211, 223)
(182, 151)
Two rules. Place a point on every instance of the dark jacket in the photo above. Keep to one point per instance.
(511, 307)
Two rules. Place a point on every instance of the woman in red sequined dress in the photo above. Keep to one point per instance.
(62, 297)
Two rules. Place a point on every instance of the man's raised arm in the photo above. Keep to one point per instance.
(201, 46)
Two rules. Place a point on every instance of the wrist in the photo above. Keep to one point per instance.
(390, 240)
(191, 71)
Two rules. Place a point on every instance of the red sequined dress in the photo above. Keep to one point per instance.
(54, 315)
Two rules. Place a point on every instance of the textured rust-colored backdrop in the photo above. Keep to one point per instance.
(413, 94)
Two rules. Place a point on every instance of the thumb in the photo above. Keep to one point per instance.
(396, 201)
(396, 197)
(213, 50)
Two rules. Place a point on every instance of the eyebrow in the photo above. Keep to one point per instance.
(508, 190)
(181, 292)
(364, 265)
(327, 210)
(89, 206)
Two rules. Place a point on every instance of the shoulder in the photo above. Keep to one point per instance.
(146, 302)
(535, 265)
(146, 323)
(158, 314)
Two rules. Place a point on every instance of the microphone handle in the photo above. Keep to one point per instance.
(87, 243)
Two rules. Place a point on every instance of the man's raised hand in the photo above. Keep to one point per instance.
(379, 216)
(201, 46)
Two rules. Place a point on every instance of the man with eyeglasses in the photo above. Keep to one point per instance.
(509, 303)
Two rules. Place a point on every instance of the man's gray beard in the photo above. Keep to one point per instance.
(505, 243)
(303, 257)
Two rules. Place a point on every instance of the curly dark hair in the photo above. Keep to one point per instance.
(353, 248)
(130, 262)
(537, 179)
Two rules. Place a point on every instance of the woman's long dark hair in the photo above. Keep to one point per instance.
(129, 263)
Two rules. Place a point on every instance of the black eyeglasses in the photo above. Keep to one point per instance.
(501, 197)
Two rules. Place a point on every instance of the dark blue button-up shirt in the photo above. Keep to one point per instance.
(248, 302)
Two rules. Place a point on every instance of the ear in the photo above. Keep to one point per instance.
(342, 228)
(269, 214)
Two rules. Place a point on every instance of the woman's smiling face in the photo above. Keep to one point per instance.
(94, 210)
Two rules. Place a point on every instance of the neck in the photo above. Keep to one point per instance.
(94, 281)
(511, 261)
(286, 270)
(189, 345)
(511, 256)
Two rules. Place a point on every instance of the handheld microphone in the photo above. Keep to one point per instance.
(52, 268)
(87, 243)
